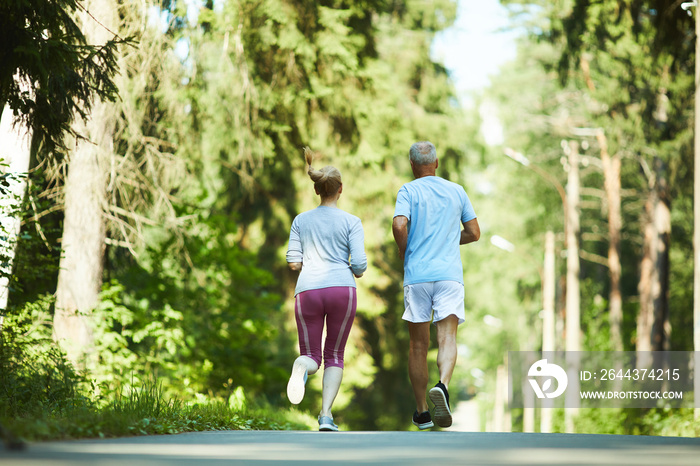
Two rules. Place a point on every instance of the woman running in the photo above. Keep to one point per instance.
(327, 245)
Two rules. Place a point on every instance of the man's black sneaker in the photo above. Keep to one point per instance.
(422, 420)
(439, 396)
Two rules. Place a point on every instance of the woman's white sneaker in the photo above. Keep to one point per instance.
(297, 383)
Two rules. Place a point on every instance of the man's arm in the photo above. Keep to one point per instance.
(471, 232)
(400, 229)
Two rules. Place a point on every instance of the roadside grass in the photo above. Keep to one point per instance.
(42, 397)
(145, 411)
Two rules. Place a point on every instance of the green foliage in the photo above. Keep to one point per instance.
(602, 65)
(34, 375)
(50, 73)
(209, 175)
(35, 265)
(11, 208)
(670, 423)
(43, 397)
(204, 324)
(355, 82)
(613, 75)
(146, 411)
(657, 421)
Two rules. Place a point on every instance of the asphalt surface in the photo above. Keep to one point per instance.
(341, 448)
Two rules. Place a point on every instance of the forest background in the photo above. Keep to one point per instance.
(152, 232)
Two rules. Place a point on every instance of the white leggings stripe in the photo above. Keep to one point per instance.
(341, 336)
(305, 330)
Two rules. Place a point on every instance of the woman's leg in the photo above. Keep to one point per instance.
(308, 364)
(308, 310)
(309, 314)
(340, 304)
(332, 376)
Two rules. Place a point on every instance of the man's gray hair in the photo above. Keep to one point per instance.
(423, 153)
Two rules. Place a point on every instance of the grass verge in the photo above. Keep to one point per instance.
(42, 397)
(145, 411)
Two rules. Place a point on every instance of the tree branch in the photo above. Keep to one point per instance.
(591, 257)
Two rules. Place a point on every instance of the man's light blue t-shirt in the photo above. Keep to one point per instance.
(435, 209)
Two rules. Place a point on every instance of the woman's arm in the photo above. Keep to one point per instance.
(295, 254)
(358, 258)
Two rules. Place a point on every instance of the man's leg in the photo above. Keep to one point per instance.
(418, 362)
(447, 357)
(447, 347)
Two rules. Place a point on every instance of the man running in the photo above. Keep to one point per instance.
(426, 228)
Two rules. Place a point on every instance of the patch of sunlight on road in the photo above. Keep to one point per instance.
(251, 452)
(465, 417)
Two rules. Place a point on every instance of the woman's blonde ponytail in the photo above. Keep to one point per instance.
(309, 156)
(327, 180)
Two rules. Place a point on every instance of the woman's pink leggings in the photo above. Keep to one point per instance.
(337, 306)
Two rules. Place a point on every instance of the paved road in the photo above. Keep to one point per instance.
(330, 448)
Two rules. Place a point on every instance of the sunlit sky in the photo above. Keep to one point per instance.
(476, 45)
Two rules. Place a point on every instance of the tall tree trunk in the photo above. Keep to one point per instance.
(661, 328)
(548, 295)
(15, 151)
(611, 172)
(84, 231)
(653, 326)
(573, 267)
(573, 293)
(549, 322)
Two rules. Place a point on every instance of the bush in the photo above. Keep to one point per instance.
(43, 397)
(35, 377)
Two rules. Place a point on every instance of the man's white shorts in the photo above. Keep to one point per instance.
(443, 297)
